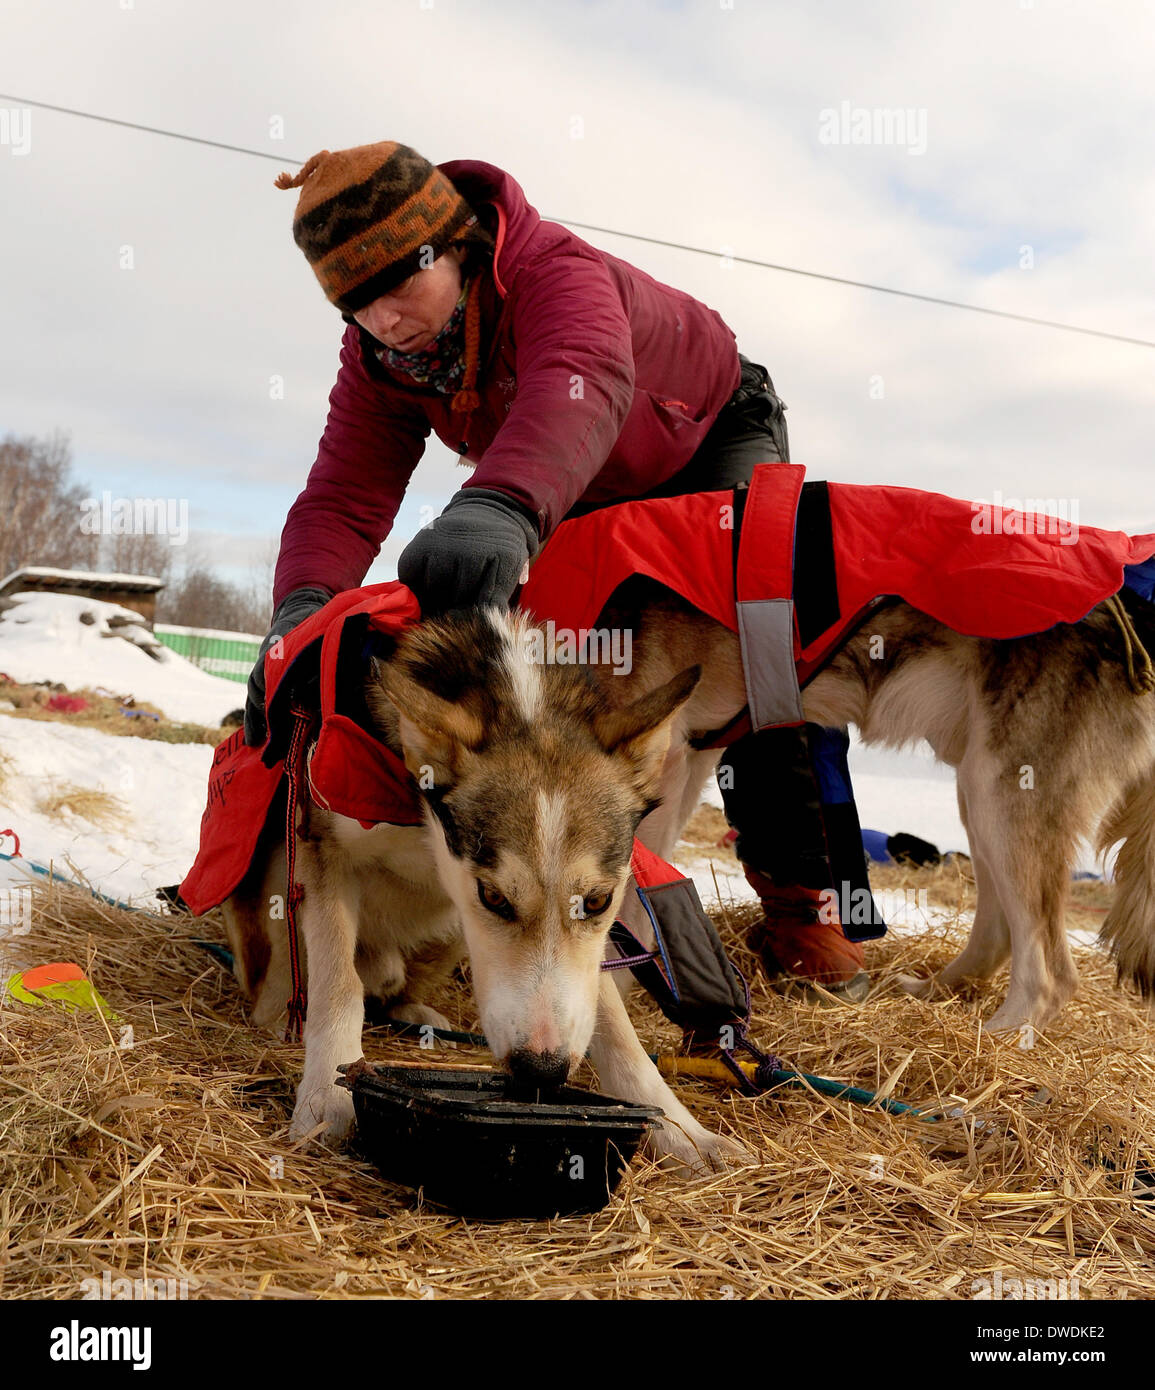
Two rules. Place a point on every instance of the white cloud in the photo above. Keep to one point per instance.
(699, 124)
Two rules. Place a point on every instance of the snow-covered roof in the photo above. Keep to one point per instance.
(46, 636)
(105, 578)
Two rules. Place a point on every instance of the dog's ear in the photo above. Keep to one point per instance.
(641, 732)
(436, 735)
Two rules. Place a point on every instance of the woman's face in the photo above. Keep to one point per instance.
(409, 317)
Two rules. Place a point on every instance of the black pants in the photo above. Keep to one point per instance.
(786, 791)
(750, 429)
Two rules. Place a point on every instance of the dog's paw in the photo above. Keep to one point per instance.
(921, 989)
(423, 1016)
(724, 1152)
(1009, 1023)
(692, 1151)
(333, 1108)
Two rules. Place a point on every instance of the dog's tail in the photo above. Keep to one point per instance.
(1129, 929)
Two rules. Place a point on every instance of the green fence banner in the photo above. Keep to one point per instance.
(227, 654)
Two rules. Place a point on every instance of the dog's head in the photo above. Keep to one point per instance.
(534, 783)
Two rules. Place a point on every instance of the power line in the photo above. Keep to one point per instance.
(866, 285)
(150, 129)
(635, 236)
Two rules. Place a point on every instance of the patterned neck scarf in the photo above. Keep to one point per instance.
(441, 364)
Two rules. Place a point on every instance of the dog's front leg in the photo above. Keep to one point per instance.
(625, 1070)
(336, 1010)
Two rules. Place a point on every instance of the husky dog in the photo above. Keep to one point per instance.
(536, 775)
(534, 784)
(1049, 737)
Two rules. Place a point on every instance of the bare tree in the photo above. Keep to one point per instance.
(140, 553)
(201, 599)
(260, 588)
(47, 519)
(42, 513)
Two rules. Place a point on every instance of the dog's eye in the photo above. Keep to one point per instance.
(495, 901)
(594, 904)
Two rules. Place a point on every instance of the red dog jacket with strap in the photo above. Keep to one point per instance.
(351, 772)
(978, 571)
(983, 571)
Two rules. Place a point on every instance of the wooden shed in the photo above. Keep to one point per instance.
(135, 591)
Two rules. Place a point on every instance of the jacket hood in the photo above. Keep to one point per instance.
(480, 184)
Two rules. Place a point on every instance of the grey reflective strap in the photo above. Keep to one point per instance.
(766, 634)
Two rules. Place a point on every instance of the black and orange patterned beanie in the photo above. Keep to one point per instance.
(371, 216)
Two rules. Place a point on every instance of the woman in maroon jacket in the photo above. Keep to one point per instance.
(568, 379)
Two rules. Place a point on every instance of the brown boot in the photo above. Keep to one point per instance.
(800, 947)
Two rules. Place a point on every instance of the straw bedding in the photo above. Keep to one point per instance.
(169, 1159)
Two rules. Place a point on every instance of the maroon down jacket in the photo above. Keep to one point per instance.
(597, 383)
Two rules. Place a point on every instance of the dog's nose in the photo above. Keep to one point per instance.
(542, 1070)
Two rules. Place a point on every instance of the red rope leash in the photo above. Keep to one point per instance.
(295, 768)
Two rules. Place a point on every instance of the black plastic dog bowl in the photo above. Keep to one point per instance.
(474, 1146)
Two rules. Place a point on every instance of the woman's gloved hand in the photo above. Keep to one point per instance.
(472, 554)
(289, 613)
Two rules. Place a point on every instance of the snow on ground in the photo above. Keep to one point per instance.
(84, 642)
(150, 837)
(906, 791)
(160, 788)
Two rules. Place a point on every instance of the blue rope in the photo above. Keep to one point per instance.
(54, 877)
(222, 953)
(671, 979)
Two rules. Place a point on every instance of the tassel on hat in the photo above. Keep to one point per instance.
(284, 180)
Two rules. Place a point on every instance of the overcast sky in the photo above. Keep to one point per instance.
(1024, 181)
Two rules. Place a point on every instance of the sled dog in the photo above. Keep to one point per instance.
(1050, 739)
(533, 785)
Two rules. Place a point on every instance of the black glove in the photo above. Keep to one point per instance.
(291, 611)
(472, 554)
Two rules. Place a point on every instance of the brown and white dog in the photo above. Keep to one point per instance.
(536, 775)
(534, 784)
(1049, 738)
